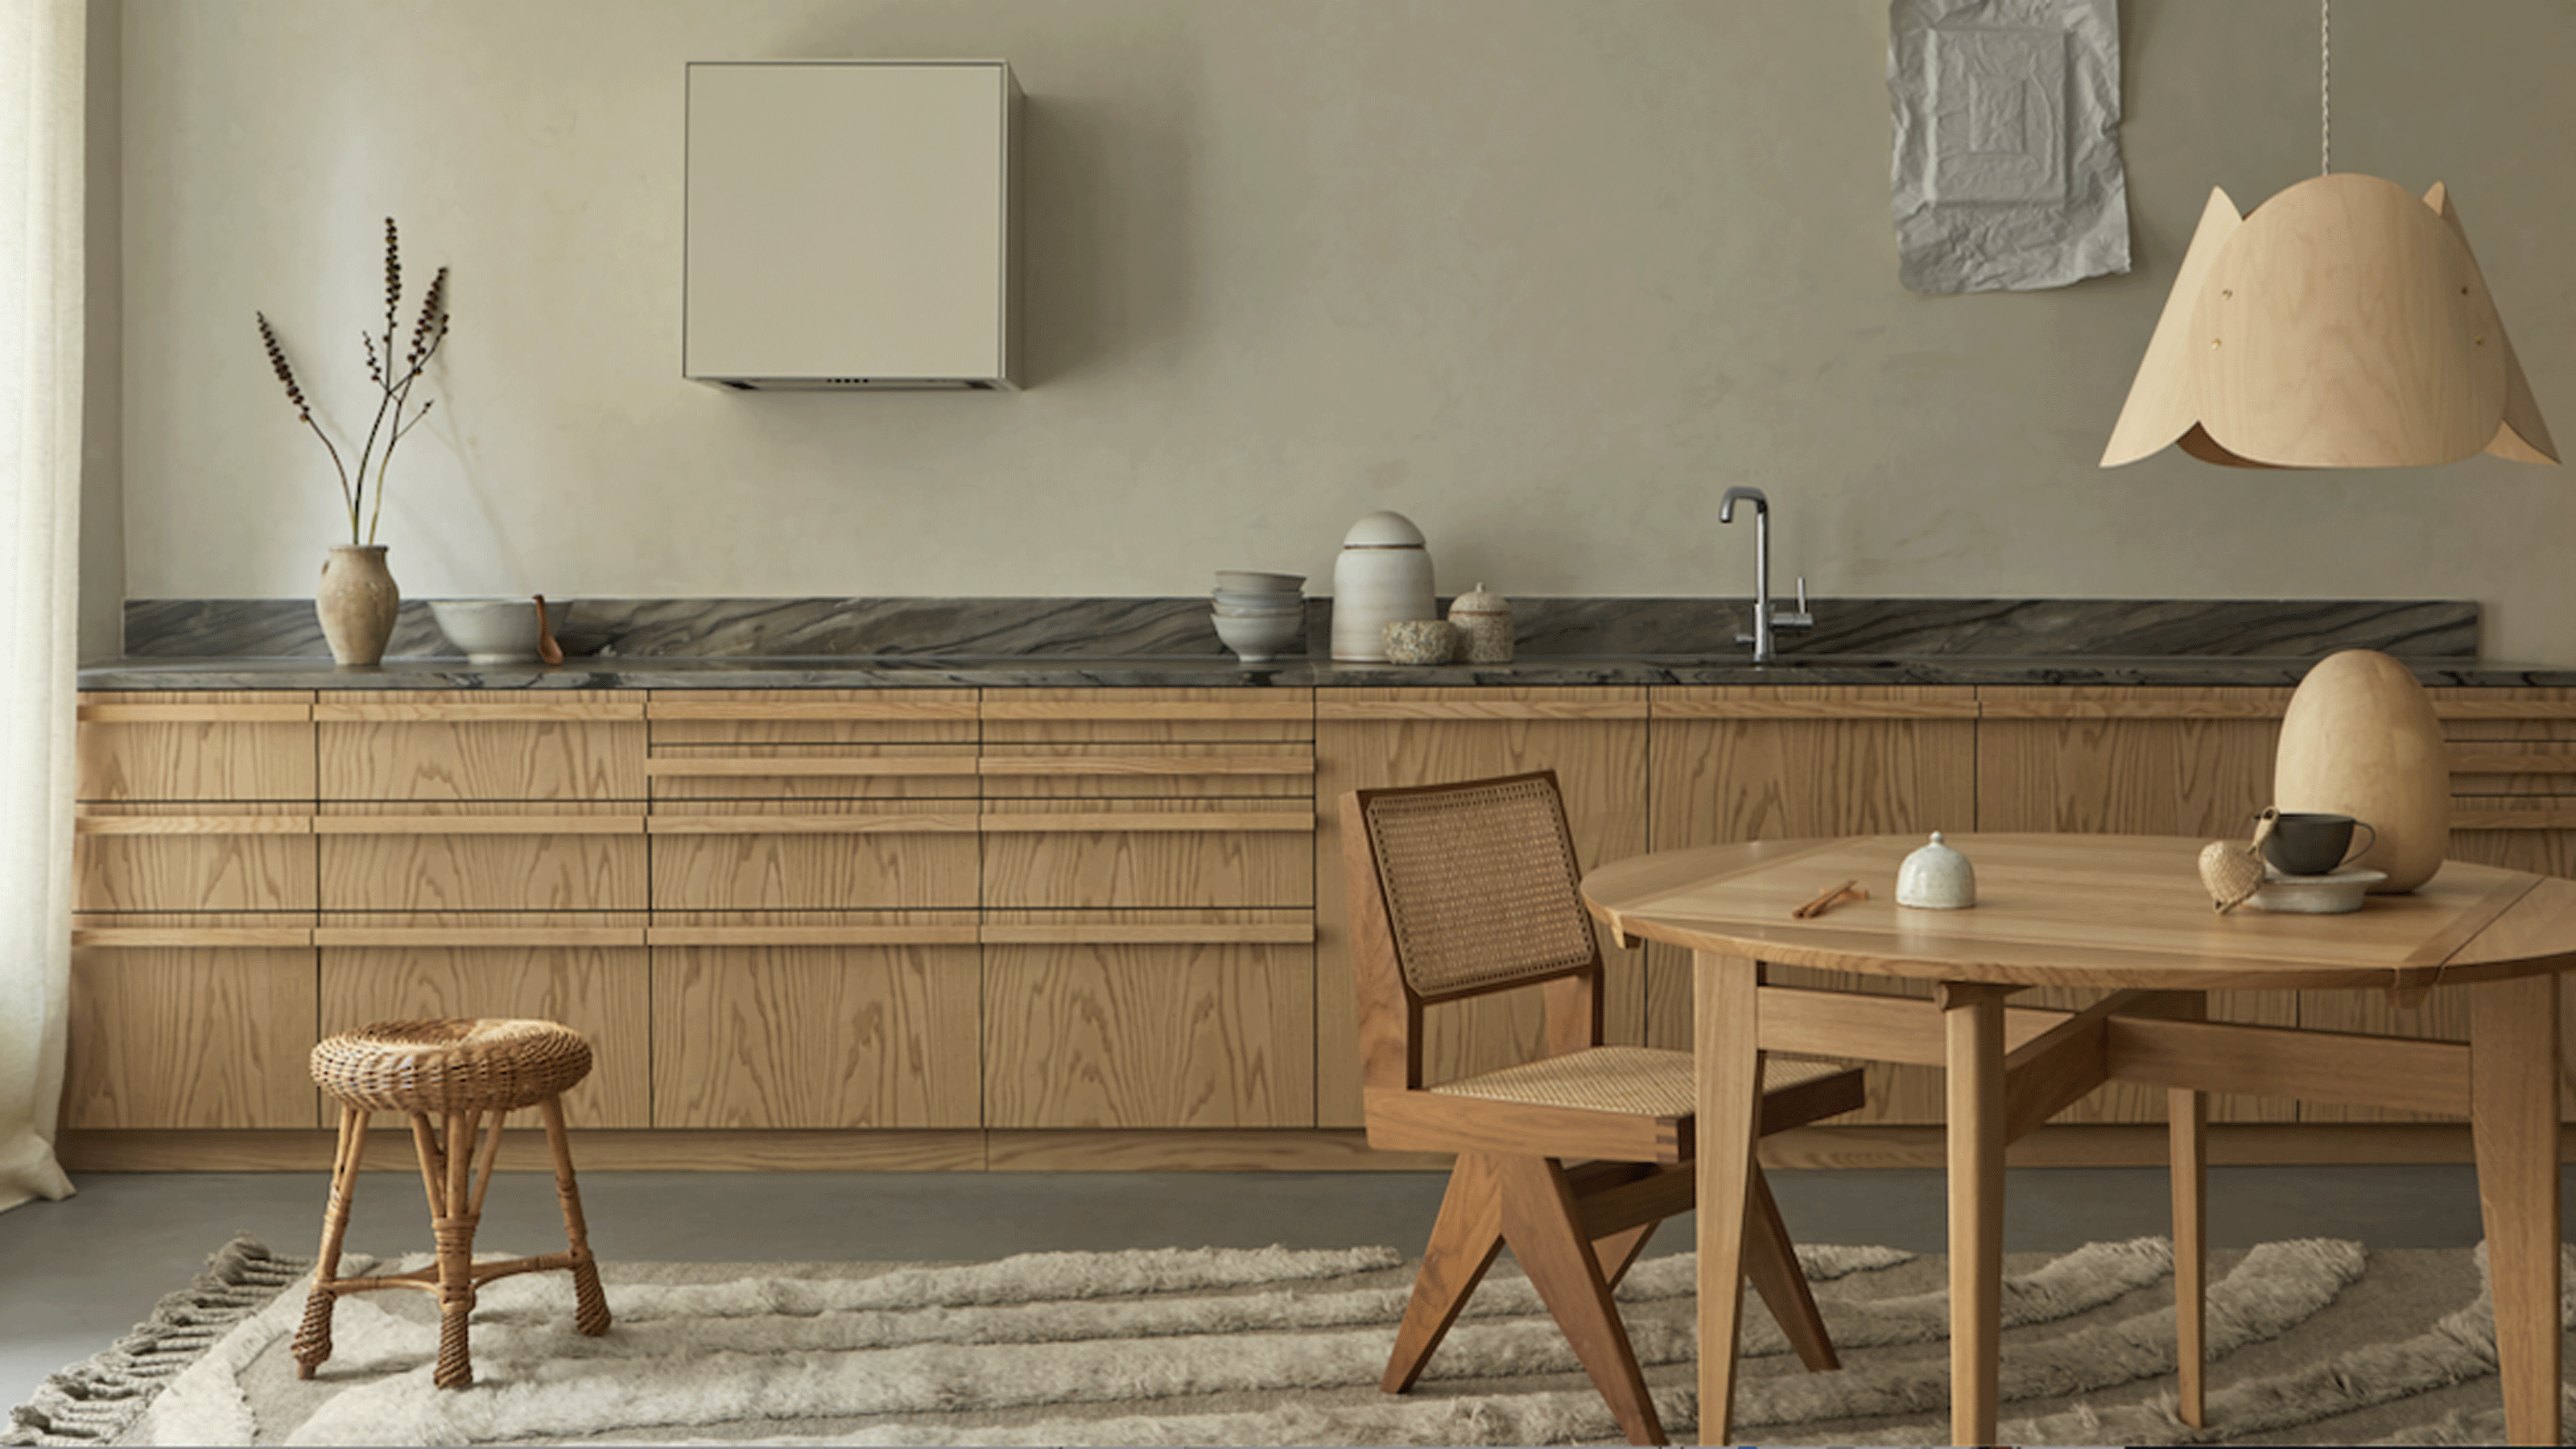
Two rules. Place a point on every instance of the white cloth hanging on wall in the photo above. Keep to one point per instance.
(2007, 173)
(43, 70)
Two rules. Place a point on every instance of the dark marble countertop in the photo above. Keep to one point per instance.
(1293, 672)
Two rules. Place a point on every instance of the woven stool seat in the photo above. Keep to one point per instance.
(472, 1074)
(486, 1064)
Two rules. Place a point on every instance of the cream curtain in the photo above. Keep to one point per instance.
(42, 65)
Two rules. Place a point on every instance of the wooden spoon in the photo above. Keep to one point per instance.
(547, 649)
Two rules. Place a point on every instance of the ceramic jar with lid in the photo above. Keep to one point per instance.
(1382, 577)
(1484, 622)
(1936, 878)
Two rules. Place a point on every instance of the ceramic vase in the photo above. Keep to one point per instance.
(356, 603)
(2360, 739)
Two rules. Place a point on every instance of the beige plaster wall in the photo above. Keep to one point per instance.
(1546, 275)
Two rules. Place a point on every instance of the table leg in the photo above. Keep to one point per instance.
(1727, 1033)
(2187, 1163)
(1973, 1022)
(2513, 1117)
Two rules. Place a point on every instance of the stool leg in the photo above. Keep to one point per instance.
(313, 1339)
(453, 1226)
(590, 1306)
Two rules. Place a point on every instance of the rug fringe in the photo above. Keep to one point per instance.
(93, 1401)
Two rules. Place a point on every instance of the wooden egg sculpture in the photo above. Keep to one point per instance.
(2360, 739)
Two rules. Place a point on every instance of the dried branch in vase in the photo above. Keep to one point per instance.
(395, 415)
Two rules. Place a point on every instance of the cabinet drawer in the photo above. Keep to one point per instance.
(1082, 1029)
(447, 968)
(1147, 716)
(1043, 853)
(791, 856)
(558, 745)
(763, 717)
(197, 1035)
(813, 772)
(820, 1020)
(220, 859)
(481, 863)
(1149, 771)
(195, 745)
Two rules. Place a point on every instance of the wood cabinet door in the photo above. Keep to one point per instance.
(211, 1033)
(1137, 1019)
(435, 745)
(814, 744)
(195, 745)
(1787, 761)
(839, 1021)
(538, 857)
(2513, 804)
(813, 855)
(211, 856)
(559, 967)
(2138, 761)
(1595, 740)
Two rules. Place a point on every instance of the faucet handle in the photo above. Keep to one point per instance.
(1801, 619)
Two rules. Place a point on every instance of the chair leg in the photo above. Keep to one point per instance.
(590, 1306)
(1539, 1222)
(1464, 1241)
(313, 1338)
(452, 1223)
(1617, 1252)
(1771, 1266)
(2187, 1128)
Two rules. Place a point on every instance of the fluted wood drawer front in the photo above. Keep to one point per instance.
(195, 745)
(449, 864)
(812, 855)
(603, 992)
(1094, 1033)
(210, 1029)
(191, 857)
(1073, 853)
(854, 1021)
(813, 772)
(446, 745)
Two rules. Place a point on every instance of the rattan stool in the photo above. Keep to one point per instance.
(460, 1070)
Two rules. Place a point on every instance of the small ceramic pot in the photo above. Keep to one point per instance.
(1421, 641)
(1936, 878)
(1484, 623)
(356, 603)
(1383, 575)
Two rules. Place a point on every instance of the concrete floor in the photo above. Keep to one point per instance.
(75, 1274)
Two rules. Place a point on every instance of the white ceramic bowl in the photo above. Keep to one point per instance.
(1259, 638)
(1246, 581)
(495, 631)
(1292, 608)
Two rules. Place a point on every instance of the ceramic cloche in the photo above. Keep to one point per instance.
(1936, 878)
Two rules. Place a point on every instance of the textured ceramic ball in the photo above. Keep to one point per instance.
(2361, 739)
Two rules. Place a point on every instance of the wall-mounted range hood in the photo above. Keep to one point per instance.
(851, 224)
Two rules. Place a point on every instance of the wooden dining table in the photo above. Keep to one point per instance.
(2126, 915)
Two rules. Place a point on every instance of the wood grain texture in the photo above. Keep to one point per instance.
(601, 992)
(1072, 853)
(816, 1036)
(793, 771)
(194, 745)
(467, 872)
(445, 746)
(190, 1037)
(193, 872)
(810, 716)
(886, 855)
(1107, 716)
(1124, 1036)
(1595, 740)
(2515, 1052)
(1134, 772)
(1849, 759)
(1202, 1150)
(525, 1150)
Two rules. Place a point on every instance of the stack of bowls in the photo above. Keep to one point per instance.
(1259, 614)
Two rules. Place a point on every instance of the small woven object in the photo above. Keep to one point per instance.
(486, 1064)
(2234, 872)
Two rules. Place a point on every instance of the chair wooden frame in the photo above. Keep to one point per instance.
(1574, 1229)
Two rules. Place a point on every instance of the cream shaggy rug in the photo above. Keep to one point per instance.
(2314, 1342)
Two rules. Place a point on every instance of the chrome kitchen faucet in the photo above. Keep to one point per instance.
(1766, 618)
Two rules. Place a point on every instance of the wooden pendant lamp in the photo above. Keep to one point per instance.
(2344, 324)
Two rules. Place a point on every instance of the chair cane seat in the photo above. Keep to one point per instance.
(1631, 1080)
(484, 1064)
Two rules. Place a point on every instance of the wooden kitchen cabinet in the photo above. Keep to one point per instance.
(1773, 762)
(1149, 895)
(190, 1020)
(1594, 737)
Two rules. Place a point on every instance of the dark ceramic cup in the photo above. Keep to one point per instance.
(2314, 844)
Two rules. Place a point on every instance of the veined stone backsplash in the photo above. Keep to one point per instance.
(980, 628)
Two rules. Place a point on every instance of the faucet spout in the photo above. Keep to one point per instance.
(1762, 641)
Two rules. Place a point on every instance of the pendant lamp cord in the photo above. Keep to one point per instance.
(2325, 87)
